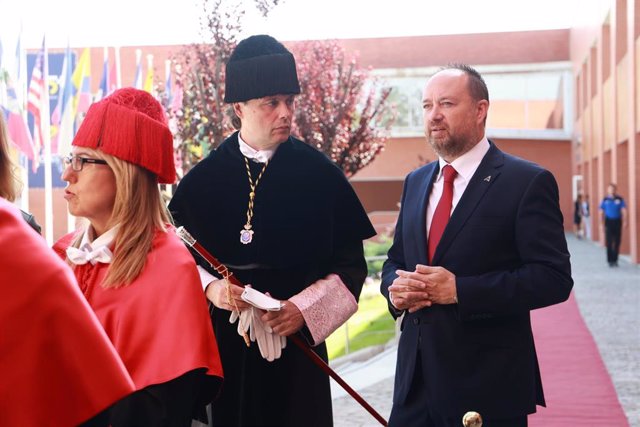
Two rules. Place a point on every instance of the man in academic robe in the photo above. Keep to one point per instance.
(286, 221)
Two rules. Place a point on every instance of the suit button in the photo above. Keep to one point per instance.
(416, 321)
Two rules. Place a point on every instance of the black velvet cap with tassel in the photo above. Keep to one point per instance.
(130, 124)
(260, 66)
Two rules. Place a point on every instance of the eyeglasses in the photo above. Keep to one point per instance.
(78, 162)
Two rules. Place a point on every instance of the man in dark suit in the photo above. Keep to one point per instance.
(479, 243)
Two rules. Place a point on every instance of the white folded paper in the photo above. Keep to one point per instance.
(260, 300)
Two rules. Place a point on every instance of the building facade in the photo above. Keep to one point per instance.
(529, 76)
(561, 98)
(605, 54)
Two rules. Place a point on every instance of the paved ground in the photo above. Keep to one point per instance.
(609, 300)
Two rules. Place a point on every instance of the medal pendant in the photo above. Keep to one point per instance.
(246, 236)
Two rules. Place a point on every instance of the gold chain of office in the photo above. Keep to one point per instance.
(246, 234)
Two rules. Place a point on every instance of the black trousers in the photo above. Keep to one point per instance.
(612, 232)
(416, 411)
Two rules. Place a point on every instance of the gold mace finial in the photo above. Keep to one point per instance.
(472, 419)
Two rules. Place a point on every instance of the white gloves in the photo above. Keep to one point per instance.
(269, 343)
(244, 323)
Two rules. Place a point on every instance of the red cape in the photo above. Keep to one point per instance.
(160, 323)
(57, 366)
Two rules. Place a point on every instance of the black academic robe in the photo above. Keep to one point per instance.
(308, 223)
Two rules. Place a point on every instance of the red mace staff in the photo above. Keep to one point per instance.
(228, 275)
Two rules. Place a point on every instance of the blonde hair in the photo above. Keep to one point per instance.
(140, 212)
(8, 177)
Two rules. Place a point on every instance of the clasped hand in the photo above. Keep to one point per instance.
(414, 290)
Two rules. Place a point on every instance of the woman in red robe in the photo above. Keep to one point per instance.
(135, 273)
(57, 366)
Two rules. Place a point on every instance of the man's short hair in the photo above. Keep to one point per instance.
(477, 86)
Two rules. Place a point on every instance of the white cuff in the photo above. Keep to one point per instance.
(205, 277)
(325, 305)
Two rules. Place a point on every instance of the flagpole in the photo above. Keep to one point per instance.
(46, 134)
(22, 85)
(167, 70)
(105, 71)
(64, 140)
(21, 75)
(168, 188)
(24, 180)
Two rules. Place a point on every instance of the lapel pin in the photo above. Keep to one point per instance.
(487, 179)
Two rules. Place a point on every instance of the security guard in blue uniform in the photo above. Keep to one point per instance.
(613, 213)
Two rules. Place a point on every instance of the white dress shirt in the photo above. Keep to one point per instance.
(466, 165)
(260, 156)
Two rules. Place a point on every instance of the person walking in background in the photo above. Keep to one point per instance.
(586, 217)
(577, 216)
(613, 217)
(286, 221)
(136, 274)
(479, 243)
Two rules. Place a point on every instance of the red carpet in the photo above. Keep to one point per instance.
(578, 389)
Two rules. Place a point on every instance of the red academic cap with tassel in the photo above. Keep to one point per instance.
(130, 124)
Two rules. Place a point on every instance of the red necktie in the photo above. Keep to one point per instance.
(442, 212)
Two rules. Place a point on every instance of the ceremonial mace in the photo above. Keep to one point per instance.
(222, 269)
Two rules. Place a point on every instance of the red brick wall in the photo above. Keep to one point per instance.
(622, 181)
(476, 49)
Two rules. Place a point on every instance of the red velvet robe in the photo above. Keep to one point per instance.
(160, 323)
(57, 366)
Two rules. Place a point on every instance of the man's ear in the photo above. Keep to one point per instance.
(482, 110)
(237, 109)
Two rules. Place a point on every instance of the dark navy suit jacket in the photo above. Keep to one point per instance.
(505, 243)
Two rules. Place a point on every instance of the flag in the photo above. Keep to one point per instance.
(148, 81)
(176, 103)
(103, 90)
(17, 128)
(35, 97)
(56, 114)
(82, 82)
(137, 81)
(113, 78)
(63, 115)
(167, 83)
